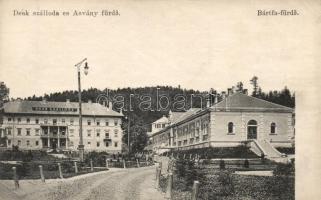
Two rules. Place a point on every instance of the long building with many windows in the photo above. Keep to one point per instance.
(235, 120)
(55, 125)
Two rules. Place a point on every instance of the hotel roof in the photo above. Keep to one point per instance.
(57, 108)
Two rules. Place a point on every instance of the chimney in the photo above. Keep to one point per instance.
(208, 102)
(110, 105)
(229, 91)
(223, 95)
(245, 91)
(89, 101)
(215, 99)
(68, 100)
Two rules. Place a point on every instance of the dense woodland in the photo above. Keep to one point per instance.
(140, 120)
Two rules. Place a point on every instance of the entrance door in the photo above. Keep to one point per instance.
(252, 129)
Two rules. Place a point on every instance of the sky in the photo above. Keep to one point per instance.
(195, 44)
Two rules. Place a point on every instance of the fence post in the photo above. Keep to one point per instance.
(158, 177)
(137, 163)
(15, 178)
(107, 163)
(195, 190)
(41, 173)
(124, 164)
(76, 167)
(91, 165)
(168, 194)
(60, 171)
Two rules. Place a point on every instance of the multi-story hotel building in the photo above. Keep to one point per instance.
(55, 125)
(235, 120)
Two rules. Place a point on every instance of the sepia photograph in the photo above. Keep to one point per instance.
(155, 100)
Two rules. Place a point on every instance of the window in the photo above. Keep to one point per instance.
(71, 131)
(98, 144)
(116, 144)
(28, 142)
(273, 128)
(37, 131)
(9, 142)
(28, 121)
(28, 132)
(163, 125)
(9, 131)
(63, 121)
(9, 119)
(88, 122)
(116, 122)
(89, 143)
(107, 144)
(19, 142)
(107, 133)
(71, 121)
(115, 133)
(54, 121)
(37, 121)
(98, 133)
(19, 120)
(19, 131)
(98, 123)
(230, 128)
(88, 133)
(107, 123)
(45, 121)
(37, 143)
(252, 129)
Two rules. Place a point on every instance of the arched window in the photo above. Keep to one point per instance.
(230, 128)
(252, 129)
(273, 128)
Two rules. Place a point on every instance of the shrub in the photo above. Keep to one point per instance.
(226, 182)
(283, 169)
(222, 164)
(246, 163)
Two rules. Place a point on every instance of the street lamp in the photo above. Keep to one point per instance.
(81, 146)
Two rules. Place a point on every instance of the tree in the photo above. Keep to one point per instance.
(239, 86)
(4, 93)
(254, 82)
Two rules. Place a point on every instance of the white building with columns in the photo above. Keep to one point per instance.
(55, 125)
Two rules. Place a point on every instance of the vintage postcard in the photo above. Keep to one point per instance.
(154, 100)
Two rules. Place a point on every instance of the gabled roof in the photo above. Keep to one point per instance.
(242, 102)
(57, 108)
(163, 119)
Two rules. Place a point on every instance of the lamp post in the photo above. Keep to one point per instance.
(81, 147)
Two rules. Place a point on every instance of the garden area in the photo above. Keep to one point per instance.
(27, 164)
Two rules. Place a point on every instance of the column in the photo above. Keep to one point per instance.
(58, 137)
(48, 144)
(67, 137)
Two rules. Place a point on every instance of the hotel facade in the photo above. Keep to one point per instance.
(37, 125)
(237, 119)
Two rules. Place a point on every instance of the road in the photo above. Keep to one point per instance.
(116, 184)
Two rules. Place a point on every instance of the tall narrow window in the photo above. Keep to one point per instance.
(230, 128)
(273, 128)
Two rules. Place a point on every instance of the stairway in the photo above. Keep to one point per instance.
(268, 150)
(265, 147)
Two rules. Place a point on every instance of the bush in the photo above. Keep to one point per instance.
(246, 163)
(222, 164)
(284, 169)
